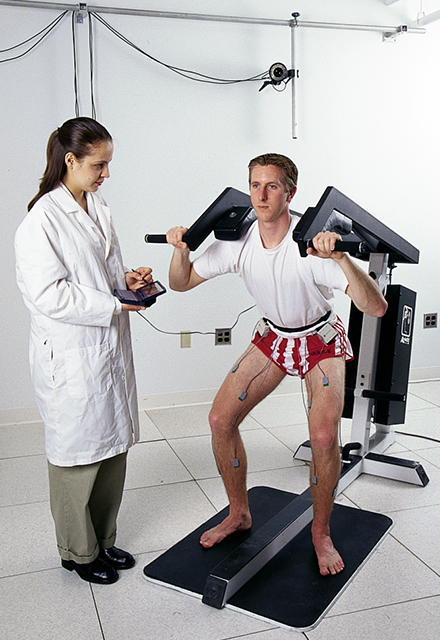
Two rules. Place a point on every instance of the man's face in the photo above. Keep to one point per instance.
(268, 194)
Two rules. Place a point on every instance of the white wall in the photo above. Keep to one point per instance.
(368, 125)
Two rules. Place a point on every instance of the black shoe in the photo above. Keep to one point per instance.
(117, 558)
(98, 571)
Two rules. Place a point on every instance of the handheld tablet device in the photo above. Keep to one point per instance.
(144, 297)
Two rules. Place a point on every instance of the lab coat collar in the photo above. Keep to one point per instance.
(103, 214)
(68, 204)
(64, 198)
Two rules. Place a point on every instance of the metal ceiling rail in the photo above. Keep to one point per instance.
(388, 33)
(206, 17)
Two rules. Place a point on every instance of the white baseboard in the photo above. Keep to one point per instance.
(424, 373)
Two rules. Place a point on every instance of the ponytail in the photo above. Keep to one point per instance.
(55, 168)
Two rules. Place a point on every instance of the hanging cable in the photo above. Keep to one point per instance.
(45, 33)
(417, 435)
(75, 69)
(92, 96)
(202, 333)
(186, 73)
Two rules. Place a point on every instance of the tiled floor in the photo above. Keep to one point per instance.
(172, 487)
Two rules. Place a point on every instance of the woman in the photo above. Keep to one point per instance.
(68, 264)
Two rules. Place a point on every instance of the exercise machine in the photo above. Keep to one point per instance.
(257, 570)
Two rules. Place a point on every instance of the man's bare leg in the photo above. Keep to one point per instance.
(324, 416)
(234, 480)
(227, 410)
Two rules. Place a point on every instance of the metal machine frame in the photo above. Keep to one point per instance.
(368, 239)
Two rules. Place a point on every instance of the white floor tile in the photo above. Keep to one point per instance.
(292, 435)
(293, 479)
(414, 402)
(418, 620)
(147, 428)
(383, 495)
(23, 480)
(155, 518)
(264, 451)
(383, 580)
(419, 531)
(196, 454)
(22, 440)
(215, 492)
(14, 416)
(411, 442)
(395, 596)
(139, 609)
(154, 463)
(278, 411)
(428, 391)
(46, 605)
(289, 384)
(27, 539)
(181, 422)
(425, 422)
(272, 634)
(188, 421)
(431, 455)
(177, 398)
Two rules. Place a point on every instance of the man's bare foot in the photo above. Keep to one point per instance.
(329, 560)
(229, 525)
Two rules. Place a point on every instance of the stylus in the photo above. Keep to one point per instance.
(134, 271)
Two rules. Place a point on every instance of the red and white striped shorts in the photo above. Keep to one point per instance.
(297, 356)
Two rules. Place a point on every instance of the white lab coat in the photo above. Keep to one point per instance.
(80, 346)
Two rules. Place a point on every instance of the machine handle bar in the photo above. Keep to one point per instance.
(341, 245)
(159, 238)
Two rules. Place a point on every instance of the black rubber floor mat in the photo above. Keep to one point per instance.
(289, 589)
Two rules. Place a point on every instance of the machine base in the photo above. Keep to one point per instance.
(289, 590)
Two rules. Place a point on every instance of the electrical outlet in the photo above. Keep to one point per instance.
(223, 336)
(185, 339)
(429, 320)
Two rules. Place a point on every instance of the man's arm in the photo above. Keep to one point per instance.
(182, 276)
(362, 289)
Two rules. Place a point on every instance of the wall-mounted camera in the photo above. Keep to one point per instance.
(279, 73)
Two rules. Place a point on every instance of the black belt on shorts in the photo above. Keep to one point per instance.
(298, 329)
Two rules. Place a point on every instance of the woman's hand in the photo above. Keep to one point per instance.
(132, 307)
(138, 278)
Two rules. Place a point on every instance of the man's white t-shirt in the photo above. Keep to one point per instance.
(289, 290)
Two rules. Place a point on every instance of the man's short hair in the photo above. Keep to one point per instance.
(289, 169)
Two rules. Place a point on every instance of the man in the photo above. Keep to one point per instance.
(293, 294)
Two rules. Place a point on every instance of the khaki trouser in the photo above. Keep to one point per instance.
(84, 501)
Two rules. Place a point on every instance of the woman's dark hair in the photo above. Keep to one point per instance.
(77, 136)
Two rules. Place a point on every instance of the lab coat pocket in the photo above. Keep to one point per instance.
(43, 365)
(88, 371)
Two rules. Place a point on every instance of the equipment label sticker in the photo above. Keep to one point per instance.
(406, 326)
